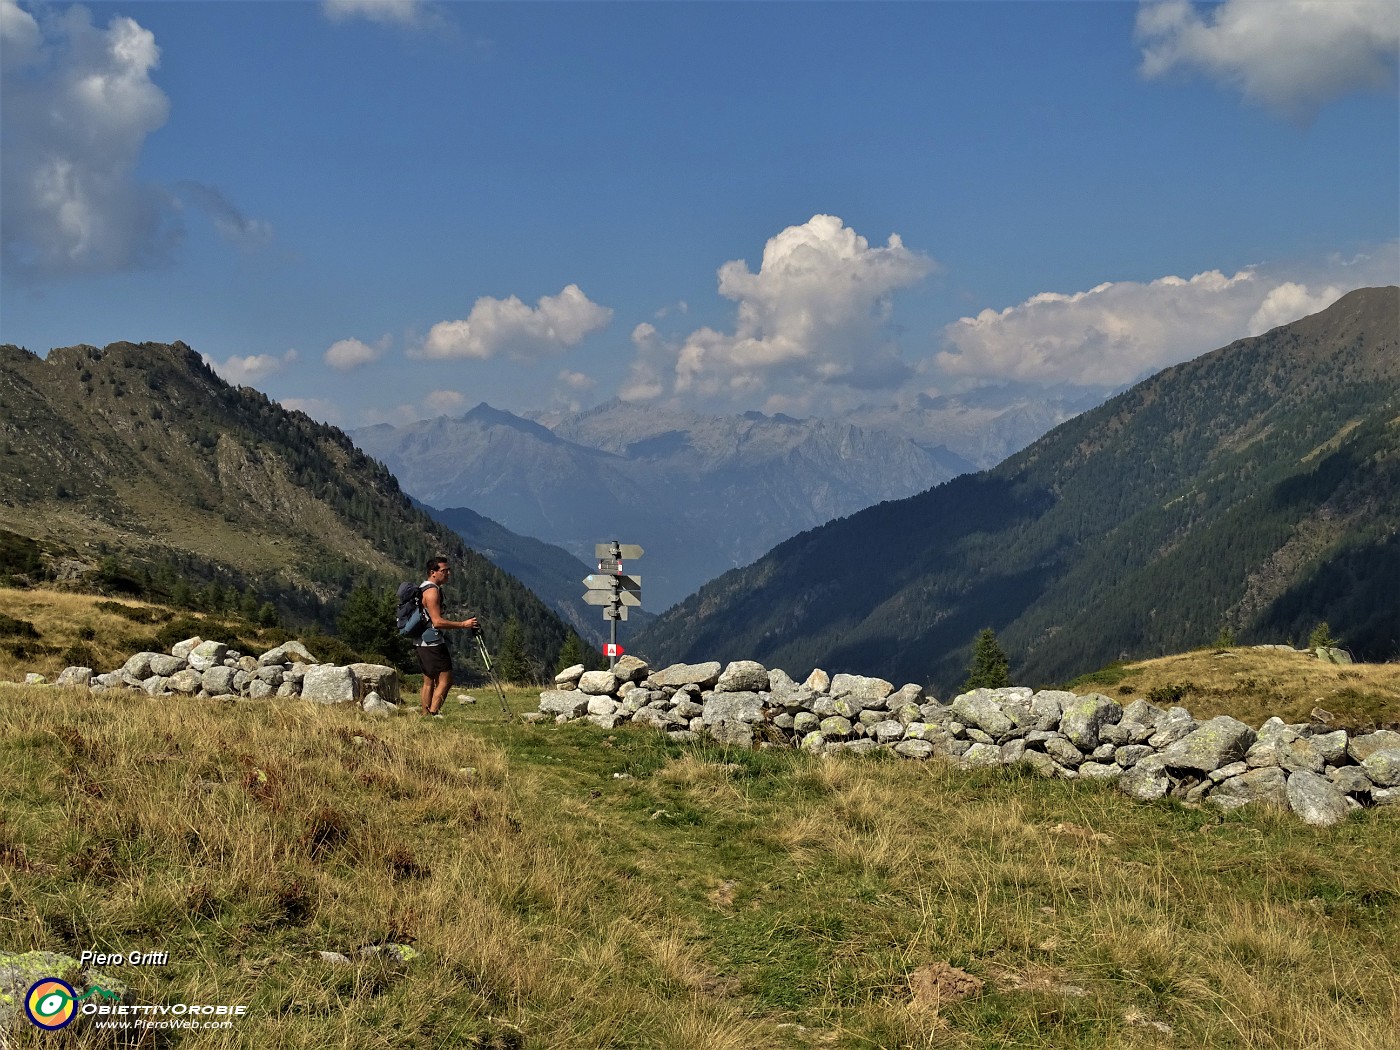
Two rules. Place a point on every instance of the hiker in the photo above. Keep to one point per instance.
(433, 655)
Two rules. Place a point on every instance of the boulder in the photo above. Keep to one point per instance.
(288, 653)
(980, 708)
(139, 665)
(1084, 716)
(79, 676)
(867, 691)
(1383, 767)
(183, 649)
(704, 675)
(1146, 781)
(743, 676)
(569, 677)
(1216, 743)
(1364, 746)
(1316, 800)
(731, 734)
(1048, 706)
(206, 655)
(598, 683)
(328, 684)
(572, 703)
(818, 681)
(187, 682)
(836, 727)
(630, 669)
(914, 748)
(167, 665)
(732, 707)
(218, 681)
(373, 705)
(376, 678)
(980, 756)
(1267, 784)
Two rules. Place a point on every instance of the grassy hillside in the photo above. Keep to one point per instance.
(570, 888)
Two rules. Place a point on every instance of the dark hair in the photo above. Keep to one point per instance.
(434, 564)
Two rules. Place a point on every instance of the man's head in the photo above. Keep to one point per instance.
(438, 569)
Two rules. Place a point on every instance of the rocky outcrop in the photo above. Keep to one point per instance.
(1151, 753)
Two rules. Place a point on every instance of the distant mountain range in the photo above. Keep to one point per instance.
(702, 494)
(1255, 489)
(140, 462)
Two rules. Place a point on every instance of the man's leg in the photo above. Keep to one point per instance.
(426, 694)
(441, 685)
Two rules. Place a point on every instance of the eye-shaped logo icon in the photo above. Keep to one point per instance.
(49, 1003)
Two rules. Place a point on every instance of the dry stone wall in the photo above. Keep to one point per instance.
(1148, 751)
(210, 669)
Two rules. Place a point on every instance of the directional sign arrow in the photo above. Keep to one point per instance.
(615, 614)
(597, 582)
(609, 598)
(624, 551)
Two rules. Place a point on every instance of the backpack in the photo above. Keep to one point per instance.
(411, 618)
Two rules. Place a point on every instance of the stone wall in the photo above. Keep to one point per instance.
(1148, 751)
(209, 669)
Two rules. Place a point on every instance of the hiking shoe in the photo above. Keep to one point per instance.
(438, 714)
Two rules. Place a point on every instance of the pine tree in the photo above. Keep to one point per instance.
(1321, 637)
(513, 665)
(989, 668)
(570, 654)
(367, 625)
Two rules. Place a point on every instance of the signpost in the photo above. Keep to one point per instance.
(614, 589)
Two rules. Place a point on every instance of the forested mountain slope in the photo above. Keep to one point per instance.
(1255, 488)
(141, 462)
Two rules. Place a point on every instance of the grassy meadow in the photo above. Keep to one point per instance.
(570, 887)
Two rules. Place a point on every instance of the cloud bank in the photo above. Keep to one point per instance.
(346, 355)
(244, 371)
(1118, 332)
(1293, 56)
(410, 13)
(509, 327)
(78, 104)
(814, 313)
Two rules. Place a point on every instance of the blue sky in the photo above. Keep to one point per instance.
(385, 210)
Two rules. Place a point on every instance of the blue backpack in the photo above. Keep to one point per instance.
(412, 618)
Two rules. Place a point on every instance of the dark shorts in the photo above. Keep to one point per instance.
(434, 659)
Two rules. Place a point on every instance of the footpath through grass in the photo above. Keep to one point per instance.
(571, 887)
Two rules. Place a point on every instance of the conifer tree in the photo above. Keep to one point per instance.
(989, 668)
(570, 654)
(513, 664)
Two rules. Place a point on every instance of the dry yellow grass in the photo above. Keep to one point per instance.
(1255, 684)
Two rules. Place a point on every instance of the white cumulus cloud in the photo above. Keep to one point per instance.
(1119, 331)
(510, 327)
(247, 369)
(346, 355)
(78, 103)
(441, 402)
(815, 311)
(1291, 55)
(412, 13)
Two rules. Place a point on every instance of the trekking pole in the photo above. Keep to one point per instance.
(491, 672)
